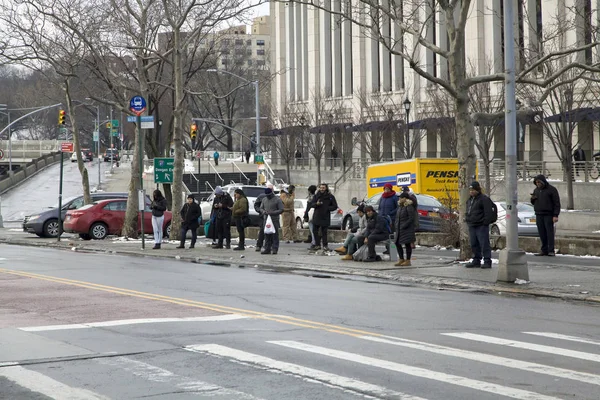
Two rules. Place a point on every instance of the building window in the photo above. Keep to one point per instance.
(225, 51)
(260, 52)
(249, 52)
(240, 52)
(239, 42)
(260, 42)
(249, 42)
(260, 62)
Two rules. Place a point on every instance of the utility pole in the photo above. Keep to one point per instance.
(111, 140)
(512, 261)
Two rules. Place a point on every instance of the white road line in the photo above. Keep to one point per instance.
(564, 337)
(527, 346)
(215, 318)
(312, 375)
(47, 386)
(418, 372)
(490, 359)
(156, 374)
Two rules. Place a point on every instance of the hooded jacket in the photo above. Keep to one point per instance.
(189, 215)
(405, 222)
(546, 200)
(240, 207)
(322, 214)
(480, 211)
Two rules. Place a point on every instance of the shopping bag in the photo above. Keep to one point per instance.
(269, 227)
(361, 254)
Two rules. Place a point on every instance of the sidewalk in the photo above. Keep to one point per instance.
(563, 277)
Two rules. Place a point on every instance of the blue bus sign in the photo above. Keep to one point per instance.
(137, 104)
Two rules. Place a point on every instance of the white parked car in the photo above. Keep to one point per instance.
(526, 220)
(74, 157)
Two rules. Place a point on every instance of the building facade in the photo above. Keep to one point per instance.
(336, 62)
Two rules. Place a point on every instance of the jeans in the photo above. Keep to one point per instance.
(479, 237)
(545, 226)
(350, 243)
(320, 235)
(311, 230)
(157, 227)
(184, 230)
(223, 231)
(242, 234)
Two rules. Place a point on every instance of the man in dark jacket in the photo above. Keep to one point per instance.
(377, 231)
(261, 232)
(312, 189)
(190, 212)
(323, 203)
(271, 206)
(222, 205)
(546, 204)
(480, 213)
(579, 157)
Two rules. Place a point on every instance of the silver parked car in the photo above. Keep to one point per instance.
(526, 220)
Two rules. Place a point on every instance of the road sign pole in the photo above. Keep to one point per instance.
(60, 191)
(111, 140)
(141, 155)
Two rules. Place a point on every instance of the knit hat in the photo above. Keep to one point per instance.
(404, 195)
(405, 189)
(268, 190)
(388, 185)
(239, 191)
(475, 186)
(190, 196)
(218, 190)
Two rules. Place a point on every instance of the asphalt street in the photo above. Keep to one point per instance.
(41, 190)
(99, 326)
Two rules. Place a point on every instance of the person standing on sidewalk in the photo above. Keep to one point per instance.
(312, 189)
(546, 204)
(158, 207)
(323, 203)
(216, 157)
(190, 212)
(288, 197)
(388, 204)
(415, 204)
(271, 206)
(240, 213)
(480, 213)
(222, 205)
(405, 229)
(261, 233)
(579, 157)
(247, 154)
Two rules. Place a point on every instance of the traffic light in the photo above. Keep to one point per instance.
(61, 117)
(193, 131)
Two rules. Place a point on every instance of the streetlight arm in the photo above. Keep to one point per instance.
(220, 97)
(212, 121)
(229, 73)
(28, 114)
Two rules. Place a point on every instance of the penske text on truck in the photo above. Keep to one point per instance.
(437, 177)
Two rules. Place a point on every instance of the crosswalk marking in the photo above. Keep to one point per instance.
(490, 359)
(213, 318)
(47, 386)
(156, 374)
(527, 346)
(332, 380)
(564, 337)
(418, 372)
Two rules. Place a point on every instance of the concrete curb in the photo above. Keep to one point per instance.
(436, 282)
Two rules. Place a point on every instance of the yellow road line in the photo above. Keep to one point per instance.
(284, 319)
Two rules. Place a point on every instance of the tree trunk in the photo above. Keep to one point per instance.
(287, 167)
(318, 162)
(131, 214)
(177, 187)
(568, 166)
(488, 178)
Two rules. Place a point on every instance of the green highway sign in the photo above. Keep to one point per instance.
(259, 159)
(115, 132)
(115, 123)
(163, 170)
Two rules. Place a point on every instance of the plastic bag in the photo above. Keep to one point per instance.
(269, 227)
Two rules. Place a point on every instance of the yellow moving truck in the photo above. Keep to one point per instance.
(437, 177)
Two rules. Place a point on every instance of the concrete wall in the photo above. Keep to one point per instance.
(36, 165)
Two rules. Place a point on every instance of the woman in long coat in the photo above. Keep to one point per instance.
(405, 229)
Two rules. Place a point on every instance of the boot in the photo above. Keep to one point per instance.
(342, 250)
(473, 264)
(347, 257)
(399, 263)
(406, 263)
(265, 251)
(239, 247)
(156, 246)
(181, 246)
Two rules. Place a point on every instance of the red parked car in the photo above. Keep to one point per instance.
(106, 217)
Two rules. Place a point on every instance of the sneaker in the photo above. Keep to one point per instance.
(265, 252)
(348, 257)
(216, 246)
(228, 246)
(191, 246)
(180, 247)
(540, 254)
(156, 246)
(314, 248)
(399, 263)
(239, 248)
(326, 248)
(257, 249)
(473, 264)
(274, 252)
(486, 265)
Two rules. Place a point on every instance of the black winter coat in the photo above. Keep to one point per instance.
(480, 210)
(376, 225)
(322, 214)
(224, 212)
(159, 207)
(189, 215)
(405, 223)
(546, 201)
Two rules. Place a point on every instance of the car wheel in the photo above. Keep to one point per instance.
(167, 232)
(85, 236)
(299, 224)
(494, 230)
(347, 225)
(98, 231)
(51, 228)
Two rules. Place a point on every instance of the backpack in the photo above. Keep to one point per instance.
(494, 212)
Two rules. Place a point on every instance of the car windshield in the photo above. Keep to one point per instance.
(252, 191)
(525, 207)
(373, 200)
(428, 201)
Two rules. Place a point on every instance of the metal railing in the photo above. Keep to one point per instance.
(216, 173)
(241, 172)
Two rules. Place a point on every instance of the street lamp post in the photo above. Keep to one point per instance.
(303, 124)
(256, 108)
(3, 107)
(407, 104)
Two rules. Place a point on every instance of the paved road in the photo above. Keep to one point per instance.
(93, 326)
(41, 191)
